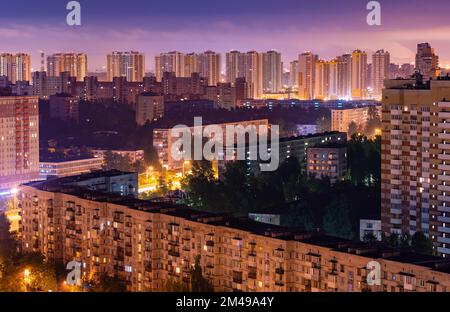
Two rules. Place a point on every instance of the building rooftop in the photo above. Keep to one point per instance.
(61, 159)
(314, 237)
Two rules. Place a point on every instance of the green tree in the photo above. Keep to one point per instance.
(198, 282)
(336, 220)
(103, 282)
(200, 186)
(373, 121)
(421, 244)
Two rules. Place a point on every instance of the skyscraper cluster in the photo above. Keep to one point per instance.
(130, 65)
(208, 64)
(262, 71)
(346, 77)
(76, 64)
(15, 66)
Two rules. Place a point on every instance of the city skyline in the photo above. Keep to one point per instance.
(293, 27)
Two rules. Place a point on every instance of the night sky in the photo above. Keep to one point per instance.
(326, 27)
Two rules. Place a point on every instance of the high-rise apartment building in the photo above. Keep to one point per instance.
(333, 79)
(235, 66)
(293, 74)
(321, 79)
(359, 75)
(272, 71)
(76, 64)
(427, 62)
(19, 140)
(247, 65)
(210, 67)
(207, 64)
(254, 73)
(380, 71)
(126, 64)
(415, 160)
(15, 66)
(306, 75)
(344, 76)
(173, 62)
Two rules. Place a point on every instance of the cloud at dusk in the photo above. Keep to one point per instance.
(290, 27)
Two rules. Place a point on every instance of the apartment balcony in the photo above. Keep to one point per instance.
(444, 135)
(445, 198)
(443, 125)
(279, 271)
(444, 188)
(173, 253)
(251, 275)
(279, 283)
(332, 281)
(444, 146)
(444, 156)
(444, 167)
(444, 177)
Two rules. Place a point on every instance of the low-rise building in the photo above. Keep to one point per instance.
(329, 160)
(149, 106)
(370, 227)
(64, 107)
(148, 244)
(57, 168)
(165, 138)
(131, 154)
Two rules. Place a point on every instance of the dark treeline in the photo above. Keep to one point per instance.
(316, 203)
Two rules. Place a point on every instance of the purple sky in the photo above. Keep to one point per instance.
(326, 27)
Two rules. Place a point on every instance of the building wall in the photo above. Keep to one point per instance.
(19, 140)
(163, 140)
(69, 168)
(342, 118)
(327, 162)
(149, 108)
(414, 160)
(148, 246)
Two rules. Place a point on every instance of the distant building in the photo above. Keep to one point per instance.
(427, 62)
(272, 72)
(359, 75)
(288, 147)
(19, 140)
(75, 64)
(293, 75)
(380, 72)
(306, 75)
(342, 118)
(15, 66)
(164, 138)
(149, 106)
(58, 168)
(112, 182)
(130, 65)
(370, 227)
(306, 129)
(249, 65)
(327, 161)
(64, 107)
(132, 155)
